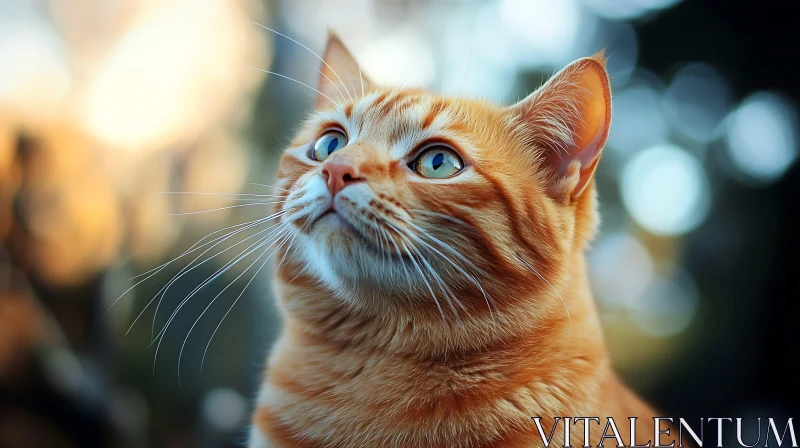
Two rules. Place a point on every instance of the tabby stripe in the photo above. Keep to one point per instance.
(436, 108)
(389, 104)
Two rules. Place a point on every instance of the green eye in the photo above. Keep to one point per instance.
(327, 144)
(437, 162)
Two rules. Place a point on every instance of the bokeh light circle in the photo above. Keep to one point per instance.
(762, 138)
(224, 408)
(545, 32)
(401, 58)
(665, 189)
(697, 101)
(628, 9)
(621, 269)
(667, 307)
(638, 121)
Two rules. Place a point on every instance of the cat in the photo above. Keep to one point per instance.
(431, 269)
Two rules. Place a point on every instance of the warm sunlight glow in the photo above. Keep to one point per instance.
(152, 90)
(401, 58)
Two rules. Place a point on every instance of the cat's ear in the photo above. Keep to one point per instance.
(566, 122)
(340, 76)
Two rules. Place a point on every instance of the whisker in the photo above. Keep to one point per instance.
(312, 52)
(203, 359)
(225, 208)
(235, 199)
(154, 271)
(448, 293)
(189, 333)
(298, 82)
(268, 186)
(447, 247)
(280, 263)
(361, 77)
(455, 265)
(555, 291)
(162, 334)
(341, 97)
(222, 194)
(425, 279)
(188, 268)
(469, 59)
(272, 231)
(391, 240)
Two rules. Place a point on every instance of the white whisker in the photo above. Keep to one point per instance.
(361, 77)
(268, 186)
(188, 268)
(341, 97)
(555, 291)
(310, 51)
(455, 265)
(225, 208)
(154, 271)
(183, 345)
(244, 254)
(425, 279)
(298, 82)
(203, 359)
(206, 193)
(448, 248)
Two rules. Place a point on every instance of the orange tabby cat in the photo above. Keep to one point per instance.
(434, 285)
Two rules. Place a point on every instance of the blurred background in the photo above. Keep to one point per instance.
(116, 115)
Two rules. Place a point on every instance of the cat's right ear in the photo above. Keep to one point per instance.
(566, 123)
(340, 76)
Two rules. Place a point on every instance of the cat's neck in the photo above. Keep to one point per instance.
(564, 322)
(355, 370)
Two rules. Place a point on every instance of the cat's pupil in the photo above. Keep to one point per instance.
(438, 160)
(333, 144)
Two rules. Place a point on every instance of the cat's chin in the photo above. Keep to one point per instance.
(334, 229)
(349, 248)
(332, 221)
(332, 225)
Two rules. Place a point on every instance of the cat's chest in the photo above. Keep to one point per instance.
(360, 399)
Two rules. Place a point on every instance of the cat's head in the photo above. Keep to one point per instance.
(401, 199)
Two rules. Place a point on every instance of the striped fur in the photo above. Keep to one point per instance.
(366, 357)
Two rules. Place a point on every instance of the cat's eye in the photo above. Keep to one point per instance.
(437, 162)
(325, 146)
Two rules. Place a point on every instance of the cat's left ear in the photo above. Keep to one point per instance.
(340, 76)
(566, 122)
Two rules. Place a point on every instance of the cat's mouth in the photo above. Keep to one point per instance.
(324, 214)
(328, 215)
(332, 221)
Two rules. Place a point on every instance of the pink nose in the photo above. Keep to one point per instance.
(339, 175)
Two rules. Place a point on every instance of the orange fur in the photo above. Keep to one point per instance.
(367, 358)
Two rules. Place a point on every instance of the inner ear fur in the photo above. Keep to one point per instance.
(566, 122)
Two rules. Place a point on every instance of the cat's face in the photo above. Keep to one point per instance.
(431, 202)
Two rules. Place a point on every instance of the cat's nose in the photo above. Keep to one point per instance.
(339, 175)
